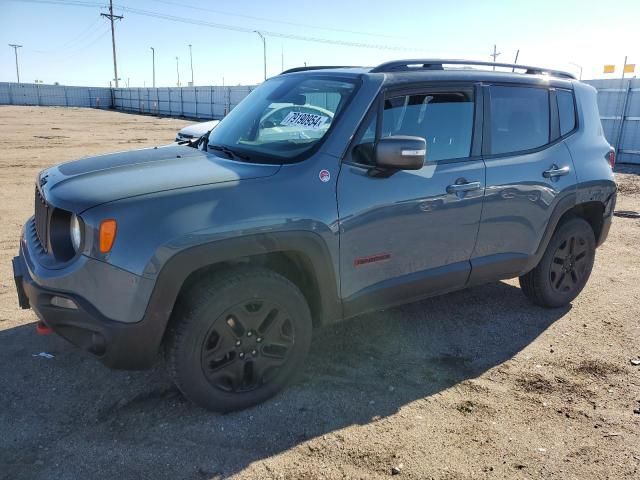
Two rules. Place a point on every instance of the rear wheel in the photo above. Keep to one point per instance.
(565, 266)
(238, 339)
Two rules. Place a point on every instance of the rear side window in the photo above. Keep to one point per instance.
(519, 118)
(566, 111)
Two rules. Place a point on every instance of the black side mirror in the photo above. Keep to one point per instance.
(401, 152)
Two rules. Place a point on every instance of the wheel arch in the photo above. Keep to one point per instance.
(294, 265)
(301, 257)
(591, 211)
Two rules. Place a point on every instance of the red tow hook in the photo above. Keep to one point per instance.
(42, 329)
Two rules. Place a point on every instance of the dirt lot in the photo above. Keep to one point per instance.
(475, 384)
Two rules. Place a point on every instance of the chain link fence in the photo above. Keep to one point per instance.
(48, 95)
(192, 102)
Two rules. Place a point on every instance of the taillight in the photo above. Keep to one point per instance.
(611, 158)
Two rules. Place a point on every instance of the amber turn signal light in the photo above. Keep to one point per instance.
(107, 235)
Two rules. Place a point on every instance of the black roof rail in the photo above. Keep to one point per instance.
(320, 67)
(438, 64)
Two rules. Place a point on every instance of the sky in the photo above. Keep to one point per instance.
(67, 41)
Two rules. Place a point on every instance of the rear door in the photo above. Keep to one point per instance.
(528, 169)
(407, 234)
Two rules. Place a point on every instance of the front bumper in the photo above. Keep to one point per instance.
(130, 345)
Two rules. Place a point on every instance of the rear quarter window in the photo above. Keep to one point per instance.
(566, 111)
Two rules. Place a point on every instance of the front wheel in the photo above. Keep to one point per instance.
(238, 339)
(565, 266)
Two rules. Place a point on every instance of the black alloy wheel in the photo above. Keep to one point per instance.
(569, 264)
(247, 345)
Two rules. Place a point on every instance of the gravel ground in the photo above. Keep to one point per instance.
(474, 384)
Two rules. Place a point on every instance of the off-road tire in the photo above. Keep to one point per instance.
(226, 322)
(564, 268)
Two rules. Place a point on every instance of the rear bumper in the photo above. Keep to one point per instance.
(118, 344)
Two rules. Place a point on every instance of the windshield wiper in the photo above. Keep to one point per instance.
(229, 152)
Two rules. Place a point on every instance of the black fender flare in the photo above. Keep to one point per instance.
(180, 266)
(564, 205)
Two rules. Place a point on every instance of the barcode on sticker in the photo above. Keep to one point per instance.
(309, 120)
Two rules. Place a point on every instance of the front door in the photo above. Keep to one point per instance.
(408, 234)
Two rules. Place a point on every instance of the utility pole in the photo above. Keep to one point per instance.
(264, 52)
(153, 63)
(15, 51)
(178, 70)
(111, 17)
(191, 60)
(495, 55)
(515, 62)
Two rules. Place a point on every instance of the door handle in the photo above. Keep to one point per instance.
(463, 187)
(555, 171)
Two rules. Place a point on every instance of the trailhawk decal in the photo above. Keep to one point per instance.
(309, 120)
(378, 257)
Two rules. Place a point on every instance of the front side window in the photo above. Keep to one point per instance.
(566, 111)
(519, 118)
(443, 119)
(282, 119)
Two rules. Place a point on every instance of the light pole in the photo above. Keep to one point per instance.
(178, 71)
(153, 60)
(191, 60)
(15, 51)
(264, 52)
(580, 67)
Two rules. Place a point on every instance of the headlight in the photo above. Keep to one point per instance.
(75, 231)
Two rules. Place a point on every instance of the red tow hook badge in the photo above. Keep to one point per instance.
(42, 329)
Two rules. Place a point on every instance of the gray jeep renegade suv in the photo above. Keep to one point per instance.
(328, 192)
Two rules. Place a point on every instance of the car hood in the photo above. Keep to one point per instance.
(82, 184)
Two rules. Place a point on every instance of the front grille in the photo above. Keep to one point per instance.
(42, 220)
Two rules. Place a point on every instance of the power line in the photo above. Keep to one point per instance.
(274, 20)
(222, 26)
(75, 3)
(82, 35)
(72, 51)
(75, 53)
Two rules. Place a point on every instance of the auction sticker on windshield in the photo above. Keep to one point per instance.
(309, 120)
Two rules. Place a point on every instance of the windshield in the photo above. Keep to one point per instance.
(282, 119)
